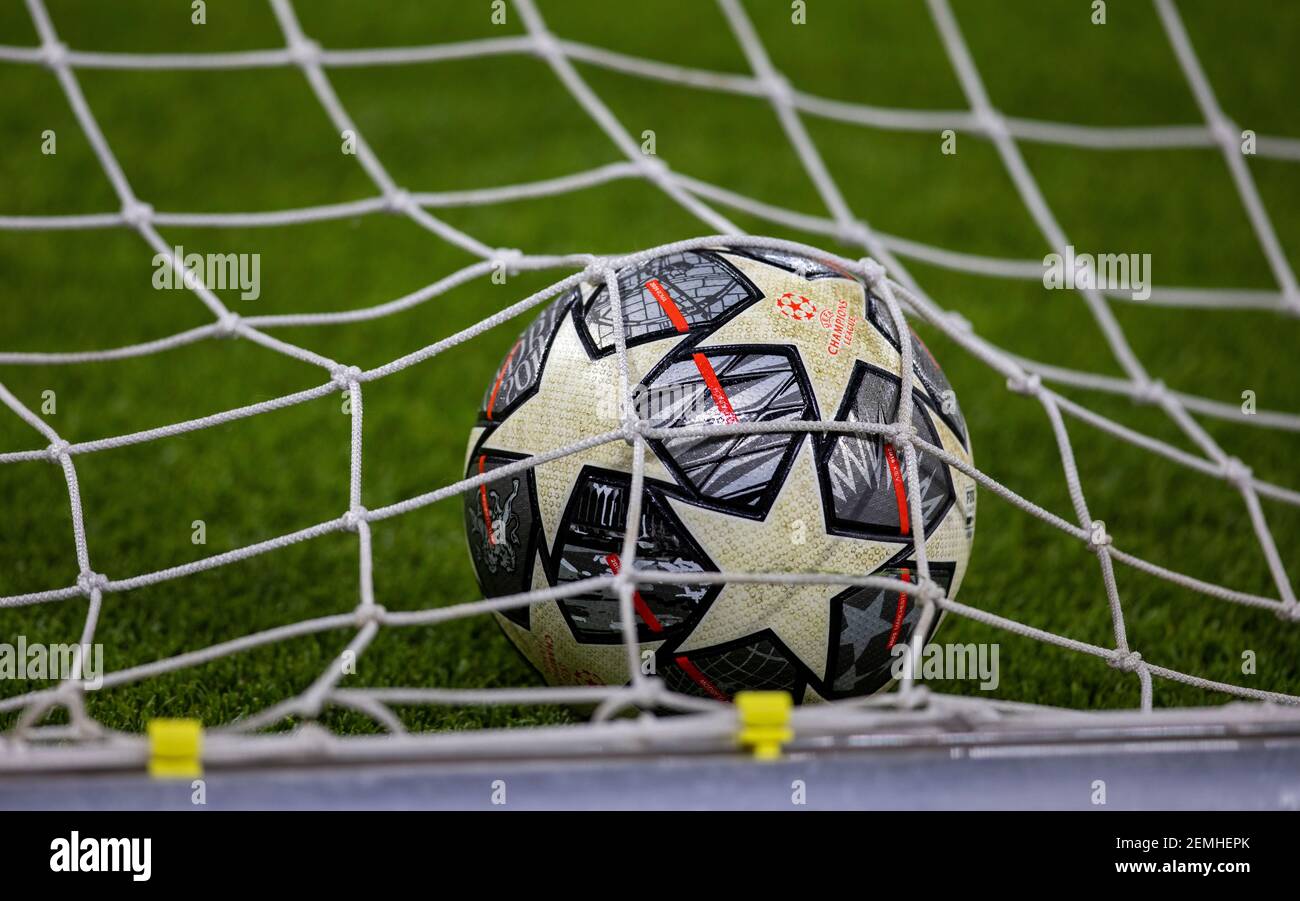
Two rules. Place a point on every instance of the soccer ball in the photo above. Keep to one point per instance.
(717, 335)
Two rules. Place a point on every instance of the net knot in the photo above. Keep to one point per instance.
(1098, 537)
(778, 89)
(546, 45)
(1225, 133)
(55, 53)
(228, 324)
(594, 274)
(633, 426)
(508, 257)
(1128, 661)
(137, 213)
(1291, 304)
(398, 201)
(872, 272)
(1289, 613)
(653, 168)
(88, 581)
(901, 433)
(1236, 473)
(345, 376)
(354, 517)
(1028, 384)
(369, 613)
(1152, 391)
(915, 698)
(931, 592)
(650, 693)
(854, 233)
(57, 451)
(992, 123)
(304, 52)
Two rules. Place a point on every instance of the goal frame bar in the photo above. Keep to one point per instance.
(956, 754)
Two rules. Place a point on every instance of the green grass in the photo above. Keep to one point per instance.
(257, 140)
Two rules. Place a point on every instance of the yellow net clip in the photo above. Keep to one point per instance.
(764, 722)
(175, 749)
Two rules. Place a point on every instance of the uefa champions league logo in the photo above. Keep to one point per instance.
(839, 322)
(796, 307)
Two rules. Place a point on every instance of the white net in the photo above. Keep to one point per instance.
(713, 724)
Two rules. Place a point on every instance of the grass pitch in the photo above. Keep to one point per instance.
(258, 140)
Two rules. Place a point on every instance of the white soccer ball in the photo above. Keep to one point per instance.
(718, 335)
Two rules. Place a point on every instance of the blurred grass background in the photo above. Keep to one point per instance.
(258, 140)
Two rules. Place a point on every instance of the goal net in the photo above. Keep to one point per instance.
(65, 722)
